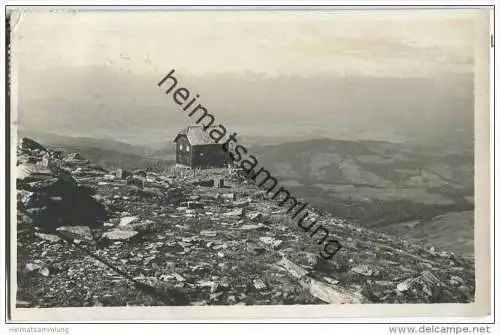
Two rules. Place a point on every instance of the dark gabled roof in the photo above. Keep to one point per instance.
(196, 135)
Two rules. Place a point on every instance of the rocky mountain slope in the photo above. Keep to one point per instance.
(88, 236)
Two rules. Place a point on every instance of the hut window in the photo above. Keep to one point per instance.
(187, 148)
(180, 146)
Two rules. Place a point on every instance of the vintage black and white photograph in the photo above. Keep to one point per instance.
(247, 157)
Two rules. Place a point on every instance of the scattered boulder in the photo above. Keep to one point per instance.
(33, 269)
(30, 268)
(274, 243)
(143, 225)
(178, 277)
(235, 212)
(208, 233)
(127, 220)
(292, 268)
(365, 270)
(331, 295)
(405, 285)
(254, 249)
(44, 272)
(252, 227)
(194, 204)
(62, 202)
(24, 197)
(83, 233)
(119, 234)
(330, 281)
(426, 287)
(259, 284)
(255, 216)
(48, 237)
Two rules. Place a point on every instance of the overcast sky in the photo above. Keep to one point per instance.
(377, 43)
(53, 50)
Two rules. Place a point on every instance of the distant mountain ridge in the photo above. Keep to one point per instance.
(131, 107)
(106, 152)
(51, 139)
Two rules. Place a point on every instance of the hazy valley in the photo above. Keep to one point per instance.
(422, 193)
